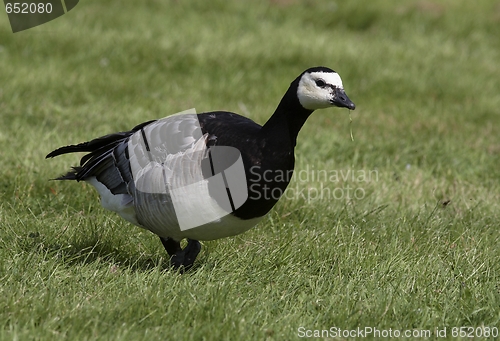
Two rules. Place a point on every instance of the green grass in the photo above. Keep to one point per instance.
(418, 250)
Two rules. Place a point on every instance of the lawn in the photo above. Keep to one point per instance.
(396, 229)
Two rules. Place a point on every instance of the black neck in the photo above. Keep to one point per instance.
(278, 138)
(284, 125)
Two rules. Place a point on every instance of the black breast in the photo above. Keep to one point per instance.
(268, 161)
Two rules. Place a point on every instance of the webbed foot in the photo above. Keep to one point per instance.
(181, 257)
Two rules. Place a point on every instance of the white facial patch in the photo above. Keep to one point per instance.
(311, 96)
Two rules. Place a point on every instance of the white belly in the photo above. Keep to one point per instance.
(158, 216)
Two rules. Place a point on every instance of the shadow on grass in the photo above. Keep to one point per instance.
(92, 250)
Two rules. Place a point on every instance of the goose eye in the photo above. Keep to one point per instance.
(321, 83)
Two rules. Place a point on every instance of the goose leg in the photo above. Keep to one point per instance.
(174, 250)
(178, 256)
(190, 252)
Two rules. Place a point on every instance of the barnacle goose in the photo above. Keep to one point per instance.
(165, 175)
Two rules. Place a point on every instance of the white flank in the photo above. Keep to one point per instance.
(120, 203)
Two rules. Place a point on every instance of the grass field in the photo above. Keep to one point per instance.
(402, 234)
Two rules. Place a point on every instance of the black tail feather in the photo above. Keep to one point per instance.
(98, 149)
(94, 145)
(71, 175)
(91, 146)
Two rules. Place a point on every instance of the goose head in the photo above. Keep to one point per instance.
(321, 87)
